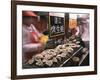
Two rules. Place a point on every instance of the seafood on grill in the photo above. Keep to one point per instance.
(30, 61)
(51, 56)
(39, 63)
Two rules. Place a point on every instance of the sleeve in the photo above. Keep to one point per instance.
(38, 33)
(26, 42)
(31, 47)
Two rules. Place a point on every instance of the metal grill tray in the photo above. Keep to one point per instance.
(60, 64)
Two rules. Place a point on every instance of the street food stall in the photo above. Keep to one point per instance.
(60, 49)
(71, 53)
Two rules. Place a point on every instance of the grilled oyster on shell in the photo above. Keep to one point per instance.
(49, 62)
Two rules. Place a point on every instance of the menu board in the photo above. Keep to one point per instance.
(56, 26)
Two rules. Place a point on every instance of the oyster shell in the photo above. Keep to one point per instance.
(49, 62)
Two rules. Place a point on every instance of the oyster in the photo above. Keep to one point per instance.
(38, 57)
(84, 50)
(47, 56)
(55, 60)
(75, 59)
(58, 57)
(39, 63)
(49, 62)
(30, 61)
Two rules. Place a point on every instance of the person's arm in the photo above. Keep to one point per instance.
(27, 45)
(32, 47)
(77, 32)
(38, 33)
